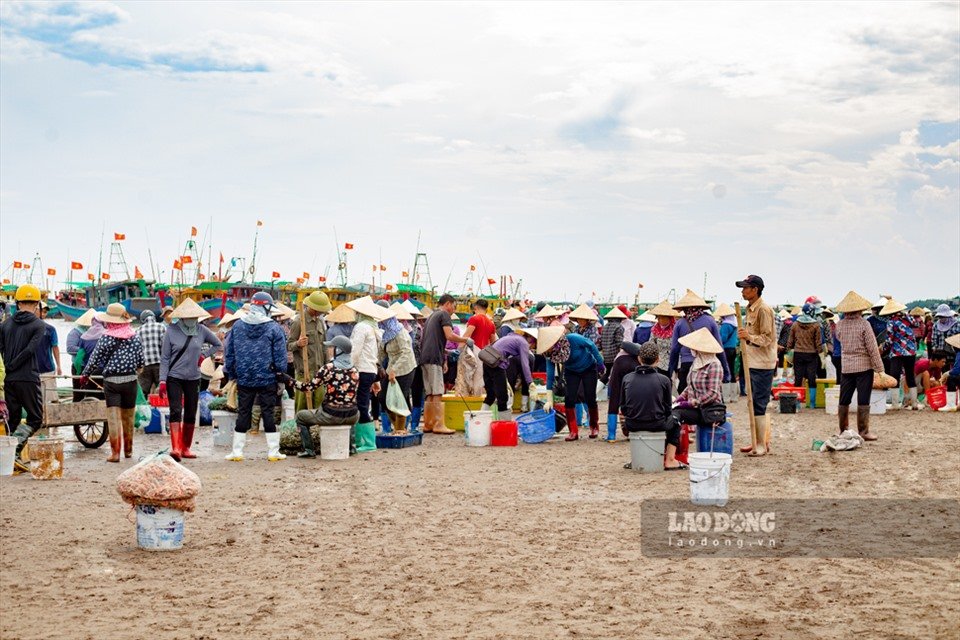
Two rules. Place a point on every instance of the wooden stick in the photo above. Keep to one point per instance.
(306, 353)
(746, 372)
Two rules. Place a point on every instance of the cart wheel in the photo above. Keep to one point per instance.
(91, 435)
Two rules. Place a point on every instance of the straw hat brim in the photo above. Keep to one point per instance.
(547, 337)
(512, 314)
(647, 317)
(367, 307)
(105, 316)
(86, 319)
(189, 309)
(227, 319)
(614, 314)
(664, 309)
(725, 310)
(341, 315)
(701, 340)
(530, 331)
(426, 312)
(954, 341)
(892, 307)
(583, 312)
(690, 300)
(853, 302)
(401, 311)
(547, 312)
(411, 308)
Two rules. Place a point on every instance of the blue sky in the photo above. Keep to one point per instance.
(585, 148)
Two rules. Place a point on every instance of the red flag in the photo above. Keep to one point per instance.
(200, 276)
(26, 265)
(177, 266)
(389, 287)
(276, 274)
(193, 232)
(76, 265)
(306, 276)
(405, 274)
(348, 245)
(491, 281)
(259, 223)
(91, 277)
(136, 272)
(6, 281)
(221, 257)
(299, 280)
(51, 272)
(374, 268)
(119, 236)
(186, 259)
(17, 264)
(383, 267)
(322, 278)
(640, 285)
(473, 267)
(104, 276)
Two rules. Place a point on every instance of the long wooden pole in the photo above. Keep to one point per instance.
(306, 354)
(746, 372)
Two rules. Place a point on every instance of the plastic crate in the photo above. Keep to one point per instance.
(390, 441)
(540, 376)
(789, 388)
(536, 426)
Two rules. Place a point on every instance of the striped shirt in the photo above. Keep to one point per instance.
(859, 345)
(151, 335)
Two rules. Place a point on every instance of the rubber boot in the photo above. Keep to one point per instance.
(912, 398)
(863, 423)
(749, 448)
(484, 407)
(415, 414)
(186, 439)
(306, 440)
(505, 416)
(572, 424)
(762, 425)
(176, 433)
(385, 425)
(366, 439)
(843, 413)
(128, 417)
(524, 404)
(115, 428)
(273, 447)
(812, 397)
(236, 455)
(594, 422)
(951, 405)
(581, 409)
(611, 427)
(433, 423)
(399, 423)
(22, 433)
(893, 397)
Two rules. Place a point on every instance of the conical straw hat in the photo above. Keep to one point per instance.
(690, 299)
(401, 311)
(724, 310)
(853, 302)
(411, 309)
(116, 313)
(784, 314)
(892, 307)
(796, 311)
(917, 311)
(368, 307)
(881, 301)
(189, 309)
(647, 317)
(341, 315)
(530, 331)
(547, 312)
(583, 312)
(615, 313)
(954, 341)
(664, 309)
(86, 319)
(547, 337)
(701, 340)
(281, 310)
(228, 319)
(512, 314)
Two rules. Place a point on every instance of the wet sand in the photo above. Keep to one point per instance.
(446, 541)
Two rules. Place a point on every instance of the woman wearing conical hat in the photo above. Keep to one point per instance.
(861, 358)
(695, 317)
(582, 364)
(902, 339)
(661, 334)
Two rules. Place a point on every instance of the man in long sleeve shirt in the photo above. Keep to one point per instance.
(759, 345)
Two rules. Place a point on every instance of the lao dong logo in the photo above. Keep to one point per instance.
(722, 522)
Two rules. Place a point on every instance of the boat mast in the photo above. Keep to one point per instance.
(253, 260)
(103, 230)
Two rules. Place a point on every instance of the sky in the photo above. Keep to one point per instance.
(583, 148)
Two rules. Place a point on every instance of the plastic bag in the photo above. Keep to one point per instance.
(144, 411)
(206, 418)
(230, 391)
(469, 374)
(396, 403)
(159, 481)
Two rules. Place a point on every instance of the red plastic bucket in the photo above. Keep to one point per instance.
(937, 397)
(503, 433)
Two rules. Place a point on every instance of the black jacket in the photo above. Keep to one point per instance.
(645, 400)
(19, 337)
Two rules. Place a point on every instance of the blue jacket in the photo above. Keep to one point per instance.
(642, 332)
(255, 352)
(728, 335)
(680, 354)
(583, 355)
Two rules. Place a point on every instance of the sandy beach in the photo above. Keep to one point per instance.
(447, 541)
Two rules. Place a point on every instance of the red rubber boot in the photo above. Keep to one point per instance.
(176, 445)
(594, 422)
(571, 412)
(186, 439)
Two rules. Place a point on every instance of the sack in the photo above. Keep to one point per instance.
(469, 381)
(144, 412)
(161, 482)
(396, 403)
(884, 381)
(230, 392)
(713, 413)
(491, 356)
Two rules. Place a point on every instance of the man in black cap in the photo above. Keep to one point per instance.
(759, 343)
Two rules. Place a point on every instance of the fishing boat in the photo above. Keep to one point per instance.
(135, 296)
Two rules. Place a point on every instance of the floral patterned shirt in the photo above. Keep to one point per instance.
(341, 386)
(901, 335)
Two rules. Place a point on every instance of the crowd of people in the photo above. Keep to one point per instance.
(673, 364)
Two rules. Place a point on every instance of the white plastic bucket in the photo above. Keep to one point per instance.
(477, 427)
(709, 478)
(159, 528)
(335, 442)
(831, 399)
(223, 425)
(646, 450)
(878, 402)
(8, 451)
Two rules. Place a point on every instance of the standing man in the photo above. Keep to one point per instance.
(433, 358)
(48, 358)
(151, 334)
(759, 340)
(315, 307)
(256, 355)
(19, 338)
(480, 327)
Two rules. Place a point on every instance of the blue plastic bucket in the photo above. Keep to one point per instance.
(722, 438)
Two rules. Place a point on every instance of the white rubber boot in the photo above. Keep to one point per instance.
(239, 440)
(484, 407)
(951, 405)
(893, 397)
(912, 400)
(505, 416)
(273, 447)
(524, 403)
